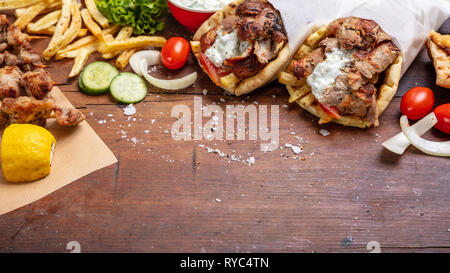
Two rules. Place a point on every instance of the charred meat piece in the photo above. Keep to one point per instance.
(370, 63)
(304, 68)
(68, 117)
(252, 7)
(37, 83)
(28, 110)
(2, 58)
(356, 33)
(3, 46)
(10, 79)
(11, 59)
(247, 67)
(16, 38)
(266, 25)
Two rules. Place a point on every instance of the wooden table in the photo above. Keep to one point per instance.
(169, 196)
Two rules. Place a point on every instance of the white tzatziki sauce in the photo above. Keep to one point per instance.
(206, 5)
(326, 72)
(225, 47)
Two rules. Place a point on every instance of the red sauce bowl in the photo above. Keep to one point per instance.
(192, 19)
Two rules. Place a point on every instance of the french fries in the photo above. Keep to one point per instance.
(73, 53)
(60, 28)
(96, 14)
(51, 7)
(14, 4)
(124, 58)
(123, 34)
(45, 22)
(30, 14)
(91, 25)
(69, 35)
(196, 47)
(135, 42)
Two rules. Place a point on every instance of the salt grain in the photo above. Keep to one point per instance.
(129, 110)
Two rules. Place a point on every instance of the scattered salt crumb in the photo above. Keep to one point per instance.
(147, 132)
(296, 149)
(110, 115)
(324, 132)
(153, 121)
(205, 92)
(251, 161)
(218, 200)
(129, 110)
(101, 121)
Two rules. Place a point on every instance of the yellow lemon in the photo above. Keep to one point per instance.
(26, 152)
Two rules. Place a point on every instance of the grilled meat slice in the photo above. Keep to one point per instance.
(11, 59)
(37, 83)
(68, 117)
(10, 79)
(2, 58)
(3, 46)
(329, 44)
(16, 38)
(266, 25)
(208, 39)
(252, 7)
(28, 110)
(371, 63)
(304, 68)
(247, 67)
(356, 33)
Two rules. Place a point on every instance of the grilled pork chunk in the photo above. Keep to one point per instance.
(28, 110)
(10, 81)
(68, 117)
(37, 83)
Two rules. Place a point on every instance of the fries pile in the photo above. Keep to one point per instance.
(64, 20)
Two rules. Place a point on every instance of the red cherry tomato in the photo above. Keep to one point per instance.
(330, 110)
(175, 53)
(417, 103)
(443, 115)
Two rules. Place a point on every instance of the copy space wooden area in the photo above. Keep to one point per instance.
(169, 196)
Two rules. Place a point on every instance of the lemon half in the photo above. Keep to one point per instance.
(26, 152)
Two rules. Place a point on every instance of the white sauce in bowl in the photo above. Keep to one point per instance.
(326, 72)
(206, 5)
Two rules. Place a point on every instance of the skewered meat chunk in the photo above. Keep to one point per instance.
(16, 38)
(3, 28)
(27, 57)
(37, 83)
(68, 117)
(28, 110)
(3, 46)
(10, 78)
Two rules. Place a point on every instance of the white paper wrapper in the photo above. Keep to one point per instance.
(408, 22)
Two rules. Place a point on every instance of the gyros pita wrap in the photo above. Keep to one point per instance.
(300, 91)
(267, 74)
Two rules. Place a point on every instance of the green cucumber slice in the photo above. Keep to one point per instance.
(128, 88)
(96, 78)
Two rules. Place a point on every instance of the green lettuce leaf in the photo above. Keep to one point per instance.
(145, 16)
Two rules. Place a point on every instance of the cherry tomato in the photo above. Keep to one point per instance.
(417, 103)
(214, 73)
(443, 115)
(175, 53)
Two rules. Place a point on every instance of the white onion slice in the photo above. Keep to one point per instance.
(426, 146)
(148, 57)
(140, 62)
(399, 143)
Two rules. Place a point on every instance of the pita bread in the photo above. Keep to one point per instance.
(437, 46)
(266, 75)
(301, 94)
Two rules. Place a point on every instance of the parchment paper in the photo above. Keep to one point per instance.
(407, 21)
(78, 152)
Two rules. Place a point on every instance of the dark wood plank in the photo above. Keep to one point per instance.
(168, 196)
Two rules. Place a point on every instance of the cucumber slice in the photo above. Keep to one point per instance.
(96, 78)
(128, 88)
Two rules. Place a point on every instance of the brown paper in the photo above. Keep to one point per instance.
(78, 152)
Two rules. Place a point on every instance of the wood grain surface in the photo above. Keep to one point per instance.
(343, 192)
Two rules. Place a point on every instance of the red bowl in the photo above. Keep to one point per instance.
(192, 19)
